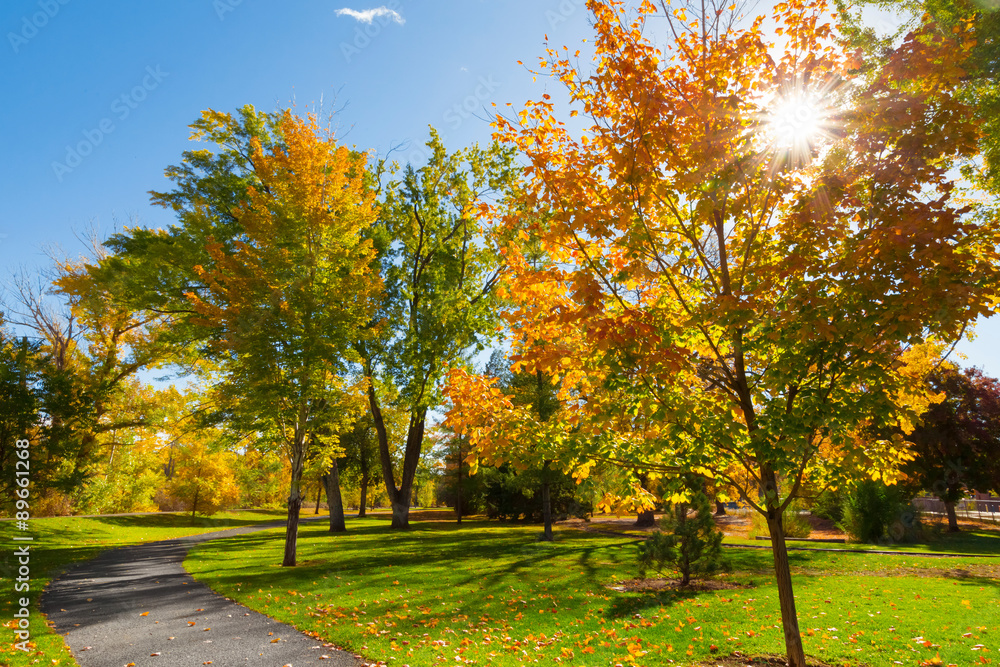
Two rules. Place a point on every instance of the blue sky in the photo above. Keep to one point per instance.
(98, 95)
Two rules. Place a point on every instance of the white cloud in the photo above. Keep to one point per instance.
(369, 15)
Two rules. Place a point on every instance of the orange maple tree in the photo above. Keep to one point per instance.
(746, 251)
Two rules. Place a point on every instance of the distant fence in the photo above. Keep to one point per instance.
(968, 507)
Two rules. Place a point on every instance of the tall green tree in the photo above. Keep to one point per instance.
(20, 364)
(440, 267)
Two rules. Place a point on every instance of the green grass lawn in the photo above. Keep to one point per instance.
(488, 593)
(62, 541)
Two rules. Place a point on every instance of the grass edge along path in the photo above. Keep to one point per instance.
(60, 543)
(137, 605)
(489, 593)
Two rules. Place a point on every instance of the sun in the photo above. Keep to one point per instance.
(795, 122)
(794, 125)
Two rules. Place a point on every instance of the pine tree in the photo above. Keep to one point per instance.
(691, 544)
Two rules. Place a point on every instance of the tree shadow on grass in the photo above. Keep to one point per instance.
(754, 567)
(500, 561)
(186, 520)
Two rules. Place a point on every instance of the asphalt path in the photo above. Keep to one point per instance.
(138, 605)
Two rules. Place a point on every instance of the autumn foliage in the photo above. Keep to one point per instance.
(743, 251)
(285, 300)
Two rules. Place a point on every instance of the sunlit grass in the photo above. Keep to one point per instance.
(494, 594)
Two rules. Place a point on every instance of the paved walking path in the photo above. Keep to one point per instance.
(138, 605)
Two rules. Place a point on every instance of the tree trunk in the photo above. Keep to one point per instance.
(295, 493)
(949, 508)
(194, 504)
(365, 481)
(547, 511)
(401, 515)
(399, 497)
(786, 598)
(720, 508)
(646, 519)
(319, 495)
(333, 498)
(292, 531)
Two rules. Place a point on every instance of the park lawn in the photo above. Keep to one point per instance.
(60, 542)
(489, 593)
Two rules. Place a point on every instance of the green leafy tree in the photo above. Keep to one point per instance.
(90, 349)
(259, 476)
(19, 401)
(440, 268)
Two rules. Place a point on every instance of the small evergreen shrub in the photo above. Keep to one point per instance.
(689, 544)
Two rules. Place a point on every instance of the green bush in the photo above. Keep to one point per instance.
(688, 544)
(829, 505)
(879, 514)
(505, 494)
(795, 524)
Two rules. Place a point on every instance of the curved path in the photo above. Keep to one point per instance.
(138, 605)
